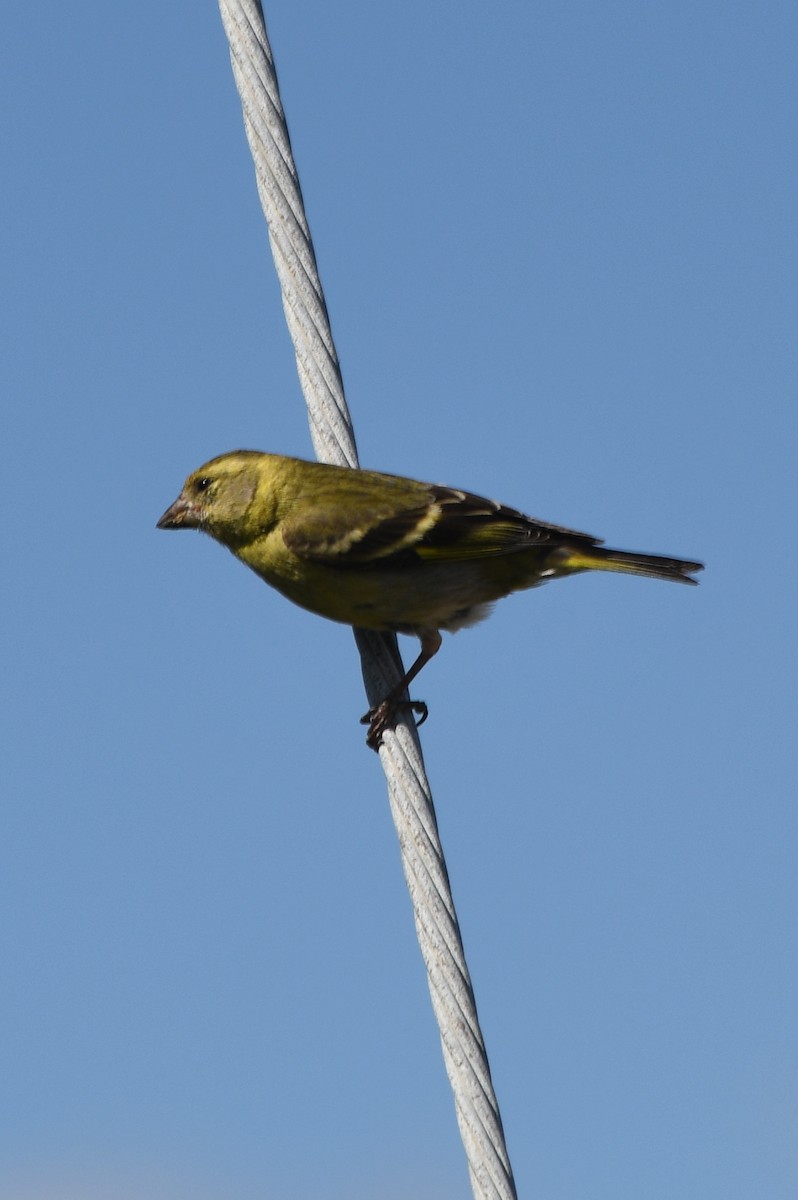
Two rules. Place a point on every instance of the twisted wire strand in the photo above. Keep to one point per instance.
(289, 234)
(409, 792)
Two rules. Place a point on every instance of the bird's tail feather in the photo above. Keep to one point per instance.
(598, 558)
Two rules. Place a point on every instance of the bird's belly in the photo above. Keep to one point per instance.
(404, 600)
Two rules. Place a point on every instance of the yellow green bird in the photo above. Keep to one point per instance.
(384, 552)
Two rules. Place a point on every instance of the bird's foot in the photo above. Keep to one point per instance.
(381, 717)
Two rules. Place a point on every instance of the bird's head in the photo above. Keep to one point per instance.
(218, 499)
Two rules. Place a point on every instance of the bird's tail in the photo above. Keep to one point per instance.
(598, 558)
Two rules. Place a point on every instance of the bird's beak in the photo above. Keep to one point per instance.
(181, 515)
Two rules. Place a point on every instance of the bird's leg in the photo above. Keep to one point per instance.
(380, 717)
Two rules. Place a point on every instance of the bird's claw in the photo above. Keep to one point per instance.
(381, 717)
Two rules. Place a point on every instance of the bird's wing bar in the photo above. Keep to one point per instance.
(354, 538)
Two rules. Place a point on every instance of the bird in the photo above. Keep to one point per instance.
(387, 553)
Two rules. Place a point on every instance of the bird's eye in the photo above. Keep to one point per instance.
(203, 484)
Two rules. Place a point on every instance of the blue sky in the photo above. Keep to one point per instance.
(558, 244)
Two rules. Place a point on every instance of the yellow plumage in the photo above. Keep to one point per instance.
(384, 552)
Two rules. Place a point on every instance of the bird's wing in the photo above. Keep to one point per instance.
(373, 523)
